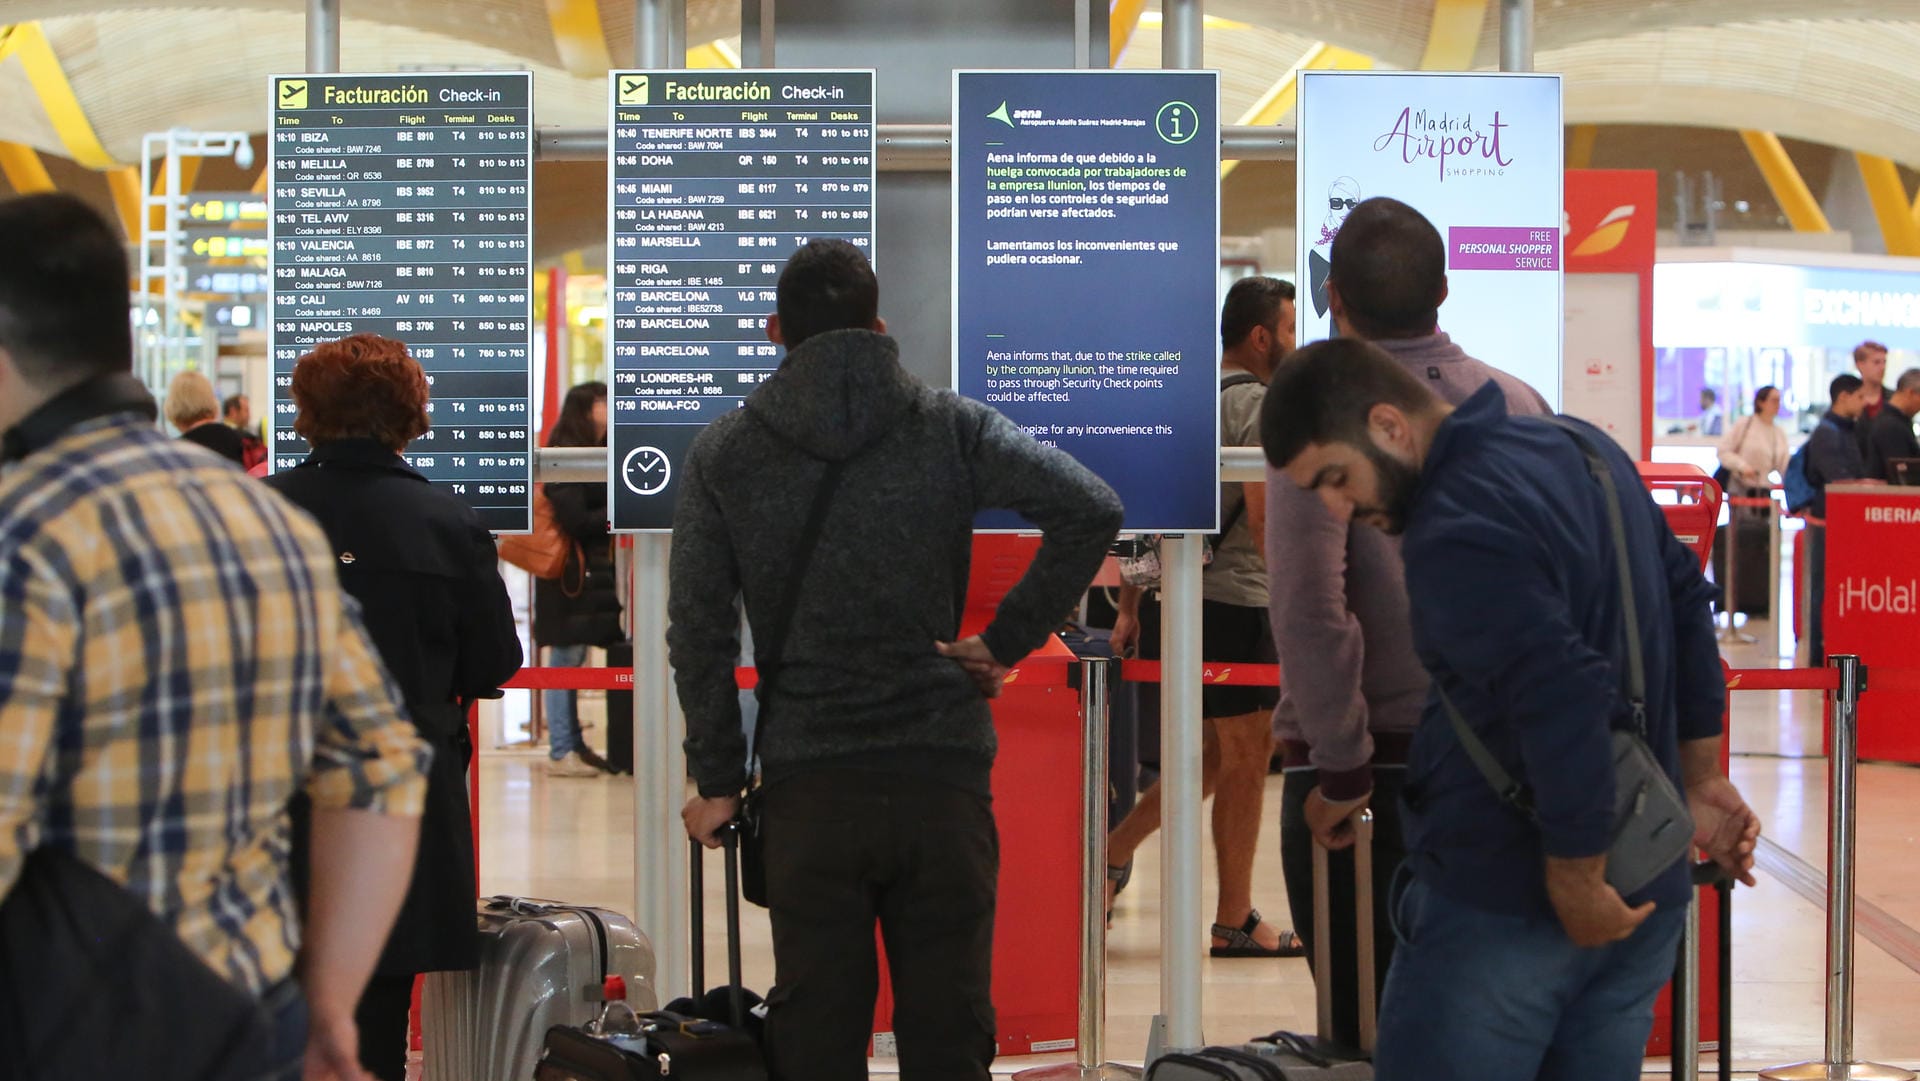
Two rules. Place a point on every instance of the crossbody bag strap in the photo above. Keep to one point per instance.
(1629, 610)
(775, 637)
(1510, 790)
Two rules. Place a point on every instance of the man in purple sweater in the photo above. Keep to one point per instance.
(1354, 686)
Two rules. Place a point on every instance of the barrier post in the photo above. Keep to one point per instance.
(1730, 597)
(1842, 775)
(1090, 1048)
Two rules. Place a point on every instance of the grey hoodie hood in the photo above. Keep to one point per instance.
(837, 393)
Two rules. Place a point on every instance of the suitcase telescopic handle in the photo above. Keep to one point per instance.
(729, 835)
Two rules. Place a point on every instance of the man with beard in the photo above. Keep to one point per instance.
(1256, 331)
(1354, 686)
(1517, 959)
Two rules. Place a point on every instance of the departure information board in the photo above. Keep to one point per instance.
(715, 177)
(402, 205)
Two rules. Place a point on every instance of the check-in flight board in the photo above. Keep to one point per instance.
(402, 205)
(715, 177)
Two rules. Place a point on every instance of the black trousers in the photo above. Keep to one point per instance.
(846, 850)
(382, 1020)
(1816, 537)
(1296, 863)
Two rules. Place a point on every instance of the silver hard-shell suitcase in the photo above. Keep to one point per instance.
(1286, 1056)
(542, 963)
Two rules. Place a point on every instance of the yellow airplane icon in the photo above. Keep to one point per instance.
(633, 89)
(293, 94)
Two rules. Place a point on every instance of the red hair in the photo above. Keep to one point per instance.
(360, 387)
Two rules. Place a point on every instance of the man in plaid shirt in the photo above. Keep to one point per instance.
(177, 661)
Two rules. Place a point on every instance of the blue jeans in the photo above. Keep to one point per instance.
(1481, 996)
(563, 722)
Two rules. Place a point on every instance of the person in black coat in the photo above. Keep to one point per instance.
(580, 608)
(193, 409)
(428, 582)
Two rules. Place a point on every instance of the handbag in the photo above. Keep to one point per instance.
(543, 551)
(753, 866)
(1652, 827)
(94, 985)
(1724, 476)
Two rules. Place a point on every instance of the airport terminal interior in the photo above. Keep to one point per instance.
(1725, 195)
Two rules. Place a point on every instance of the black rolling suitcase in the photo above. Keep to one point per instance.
(676, 1042)
(1287, 1056)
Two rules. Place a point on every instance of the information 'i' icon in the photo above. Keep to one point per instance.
(1176, 122)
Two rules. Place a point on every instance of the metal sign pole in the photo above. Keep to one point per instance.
(1516, 35)
(659, 773)
(1182, 943)
(1842, 777)
(323, 36)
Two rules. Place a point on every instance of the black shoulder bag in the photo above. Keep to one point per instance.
(768, 662)
(76, 945)
(1652, 828)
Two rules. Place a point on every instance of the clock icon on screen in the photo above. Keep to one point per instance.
(646, 470)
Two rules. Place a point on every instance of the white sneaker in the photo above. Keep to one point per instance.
(571, 766)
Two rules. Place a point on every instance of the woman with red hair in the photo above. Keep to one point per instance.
(429, 585)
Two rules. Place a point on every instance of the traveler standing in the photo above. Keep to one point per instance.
(877, 744)
(1712, 420)
(1890, 435)
(580, 609)
(192, 408)
(1754, 449)
(1834, 454)
(1354, 686)
(428, 582)
(1870, 360)
(1256, 330)
(1517, 959)
(176, 662)
(238, 415)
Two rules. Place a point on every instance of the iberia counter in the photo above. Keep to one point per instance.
(1872, 607)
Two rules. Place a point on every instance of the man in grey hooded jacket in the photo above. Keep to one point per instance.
(877, 743)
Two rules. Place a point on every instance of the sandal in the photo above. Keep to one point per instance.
(1240, 942)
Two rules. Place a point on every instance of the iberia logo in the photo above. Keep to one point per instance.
(1012, 676)
(1219, 675)
(1607, 235)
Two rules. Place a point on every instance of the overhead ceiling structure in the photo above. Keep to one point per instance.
(1837, 73)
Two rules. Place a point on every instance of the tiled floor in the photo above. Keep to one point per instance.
(573, 839)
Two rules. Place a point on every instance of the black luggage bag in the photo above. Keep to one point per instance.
(674, 1043)
(1287, 1056)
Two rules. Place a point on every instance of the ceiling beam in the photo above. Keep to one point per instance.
(1454, 35)
(1280, 99)
(24, 170)
(26, 43)
(1889, 196)
(579, 37)
(1125, 18)
(124, 183)
(1580, 154)
(1785, 182)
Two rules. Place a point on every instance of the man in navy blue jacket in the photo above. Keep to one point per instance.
(1517, 959)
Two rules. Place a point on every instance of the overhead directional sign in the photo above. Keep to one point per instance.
(1086, 224)
(715, 178)
(402, 205)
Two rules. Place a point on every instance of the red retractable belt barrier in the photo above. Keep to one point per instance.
(1050, 670)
